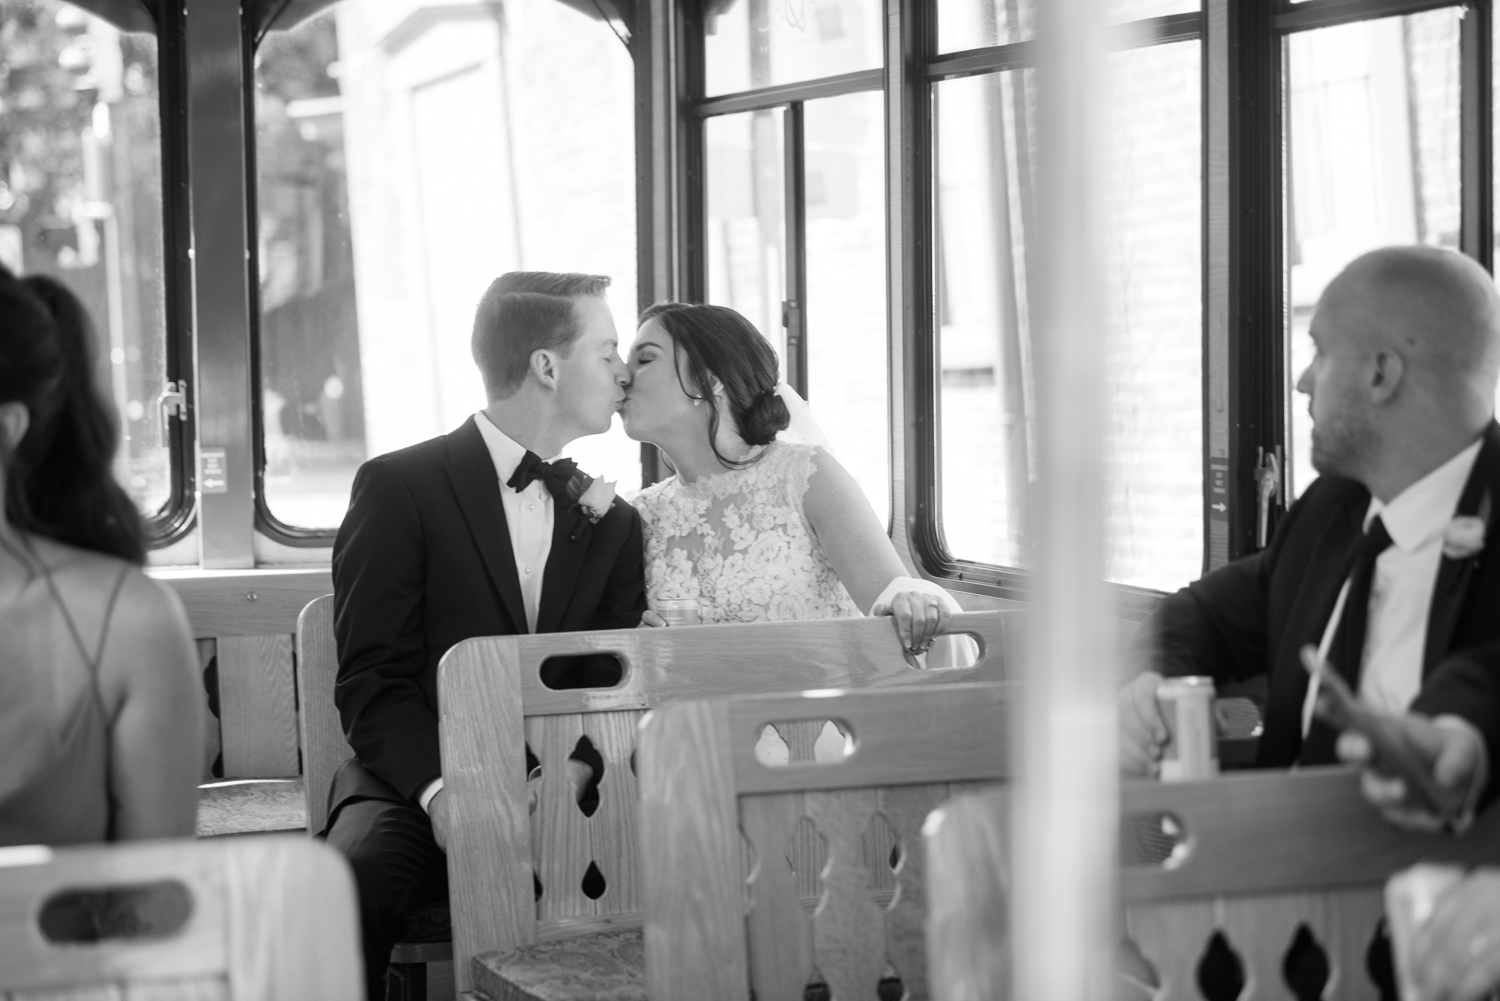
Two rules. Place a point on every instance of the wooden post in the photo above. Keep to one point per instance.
(1065, 822)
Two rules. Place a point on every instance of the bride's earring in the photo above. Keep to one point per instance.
(698, 402)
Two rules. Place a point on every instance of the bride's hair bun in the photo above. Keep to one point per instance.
(766, 415)
(725, 355)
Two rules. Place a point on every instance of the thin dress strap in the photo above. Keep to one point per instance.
(92, 663)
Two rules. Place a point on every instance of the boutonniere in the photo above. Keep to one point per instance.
(596, 499)
(592, 499)
(1464, 535)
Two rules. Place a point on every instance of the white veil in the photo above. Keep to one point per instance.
(804, 428)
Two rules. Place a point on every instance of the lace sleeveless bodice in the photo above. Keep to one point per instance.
(740, 543)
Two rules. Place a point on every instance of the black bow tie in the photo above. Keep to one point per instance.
(555, 476)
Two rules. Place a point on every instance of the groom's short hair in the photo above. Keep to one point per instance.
(520, 313)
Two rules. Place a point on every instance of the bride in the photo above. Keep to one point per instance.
(754, 526)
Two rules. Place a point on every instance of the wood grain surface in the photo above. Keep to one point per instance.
(272, 919)
(489, 845)
(258, 707)
(956, 733)
(848, 926)
(1325, 835)
(688, 662)
(690, 852)
(322, 732)
(602, 966)
(246, 602)
(560, 844)
(778, 925)
(1267, 853)
(864, 921)
(661, 664)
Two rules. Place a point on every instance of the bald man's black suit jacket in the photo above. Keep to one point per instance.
(423, 560)
(1251, 618)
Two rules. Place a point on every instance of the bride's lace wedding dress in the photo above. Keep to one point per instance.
(739, 542)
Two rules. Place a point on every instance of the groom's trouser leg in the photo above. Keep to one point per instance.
(398, 869)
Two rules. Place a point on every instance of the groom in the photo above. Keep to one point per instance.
(470, 534)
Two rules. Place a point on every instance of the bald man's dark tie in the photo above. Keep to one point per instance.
(1348, 647)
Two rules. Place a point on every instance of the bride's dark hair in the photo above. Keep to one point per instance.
(58, 481)
(721, 344)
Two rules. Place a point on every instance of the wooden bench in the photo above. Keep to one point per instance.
(247, 919)
(243, 623)
(425, 959)
(1277, 876)
(851, 915)
(518, 878)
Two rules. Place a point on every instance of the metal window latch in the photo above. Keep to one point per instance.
(1267, 492)
(172, 403)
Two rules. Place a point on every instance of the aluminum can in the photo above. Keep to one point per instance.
(1192, 751)
(678, 611)
(1410, 898)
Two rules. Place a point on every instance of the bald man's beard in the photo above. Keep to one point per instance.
(1342, 444)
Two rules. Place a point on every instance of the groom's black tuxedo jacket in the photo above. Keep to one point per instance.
(424, 560)
(1253, 616)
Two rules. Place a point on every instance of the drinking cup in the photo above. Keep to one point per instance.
(678, 611)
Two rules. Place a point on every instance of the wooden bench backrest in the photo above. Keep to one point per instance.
(486, 687)
(322, 732)
(1264, 854)
(268, 919)
(711, 930)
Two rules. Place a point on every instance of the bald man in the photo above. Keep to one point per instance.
(1379, 561)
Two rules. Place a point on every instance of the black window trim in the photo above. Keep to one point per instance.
(1253, 341)
(178, 517)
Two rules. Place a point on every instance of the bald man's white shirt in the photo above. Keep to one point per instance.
(1405, 575)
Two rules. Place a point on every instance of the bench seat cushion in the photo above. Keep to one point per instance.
(599, 966)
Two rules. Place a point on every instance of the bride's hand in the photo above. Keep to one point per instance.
(650, 620)
(919, 616)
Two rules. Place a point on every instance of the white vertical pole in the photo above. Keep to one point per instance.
(1063, 917)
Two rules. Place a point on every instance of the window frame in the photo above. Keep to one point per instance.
(1247, 389)
(911, 71)
(177, 518)
(255, 26)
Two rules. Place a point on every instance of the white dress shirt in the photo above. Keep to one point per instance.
(1405, 574)
(529, 517)
(1401, 593)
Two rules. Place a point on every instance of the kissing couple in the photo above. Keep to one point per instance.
(487, 531)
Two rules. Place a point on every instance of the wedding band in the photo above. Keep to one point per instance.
(1478, 945)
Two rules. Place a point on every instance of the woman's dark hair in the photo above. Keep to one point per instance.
(58, 481)
(721, 344)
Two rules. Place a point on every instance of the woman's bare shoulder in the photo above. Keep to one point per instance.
(95, 585)
(83, 574)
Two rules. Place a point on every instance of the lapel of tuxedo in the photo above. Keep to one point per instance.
(570, 544)
(1318, 592)
(477, 487)
(1452, 585)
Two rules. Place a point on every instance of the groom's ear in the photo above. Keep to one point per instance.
(544, 366)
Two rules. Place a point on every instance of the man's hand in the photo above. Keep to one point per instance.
(437, 812)
(1455, 954)
(650, 620)
(1451, 748)
(1143, 733)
